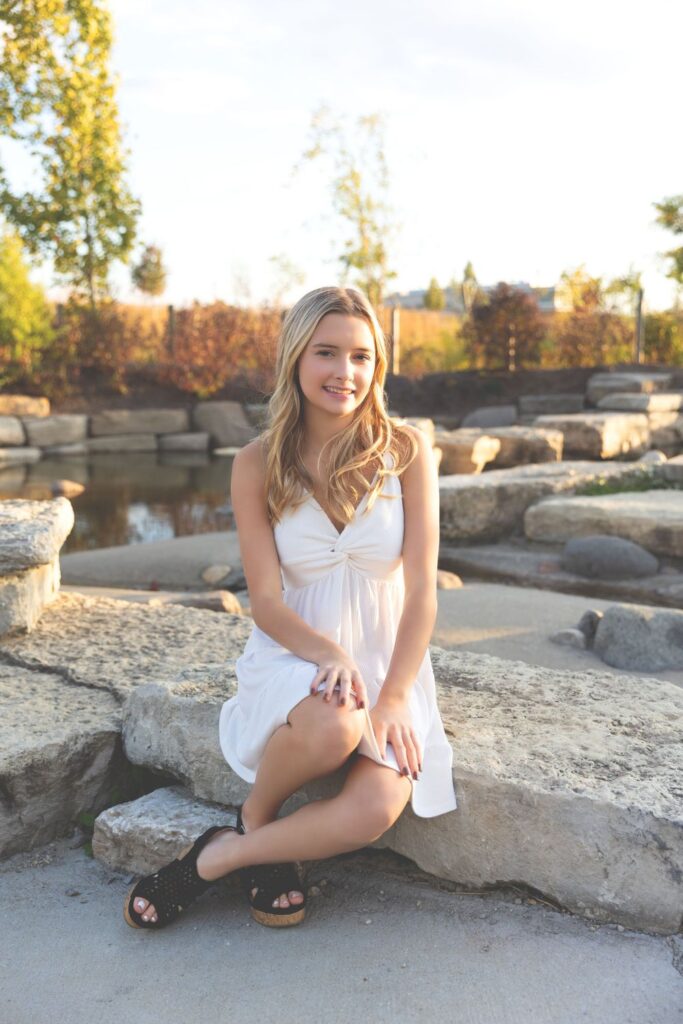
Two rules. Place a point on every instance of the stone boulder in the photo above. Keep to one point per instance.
(643, 638)
(491, 416)
(225, 422)
(605, 557)
(139, 421)
(60, 755)
(32, 532)
(24, 595)
(653, 519)
(423, 423)
(600, 435)
(492, 505)
(465, 451)
(66, 428)
(11, 431)
(672, 470)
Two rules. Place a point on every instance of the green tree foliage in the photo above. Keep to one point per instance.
(57, 97)
(25, 314)
(359, 190)
(506, 331)
(434, 296)
(149, 273)
(470, 290)
(671, 217)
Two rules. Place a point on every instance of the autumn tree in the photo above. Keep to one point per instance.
(589, 332)
(149, 273)
(434, 296)
(58, 99)
(671, 217)
(359, 188)
(504, 331)
(469, 289)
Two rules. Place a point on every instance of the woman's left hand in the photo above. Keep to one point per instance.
(392, 723)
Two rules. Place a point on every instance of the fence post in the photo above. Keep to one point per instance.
(639, 326)
(171, 331)
(395, 338)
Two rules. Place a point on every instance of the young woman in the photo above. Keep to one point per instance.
(337, 512)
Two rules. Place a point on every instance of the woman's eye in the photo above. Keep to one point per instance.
(328, 353)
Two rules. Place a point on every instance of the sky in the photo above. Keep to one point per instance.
(524, 136)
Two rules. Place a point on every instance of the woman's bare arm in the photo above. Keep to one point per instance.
(420, 484)
(262, 566)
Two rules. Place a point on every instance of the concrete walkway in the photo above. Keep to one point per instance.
(380, 944)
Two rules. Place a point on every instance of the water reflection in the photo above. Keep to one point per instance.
(132, 497)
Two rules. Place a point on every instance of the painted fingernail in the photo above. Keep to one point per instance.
(342, 700)
(404, 771)
(415, 776)
(361, 703)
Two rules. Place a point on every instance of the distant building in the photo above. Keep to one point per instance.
(546, 297)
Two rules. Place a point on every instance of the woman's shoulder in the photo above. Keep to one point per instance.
(250, 462)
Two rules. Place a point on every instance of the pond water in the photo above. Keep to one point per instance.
(134, 497)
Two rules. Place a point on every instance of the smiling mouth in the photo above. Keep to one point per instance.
(338, 391)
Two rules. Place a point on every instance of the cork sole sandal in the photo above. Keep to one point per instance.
(270, 881)
(172, 888)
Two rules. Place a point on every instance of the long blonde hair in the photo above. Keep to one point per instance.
(370, 435)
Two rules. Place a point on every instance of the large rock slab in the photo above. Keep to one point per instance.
(116, 646)
(659, 401)
(65, 428)
(600, 435)
(188, 442)
(523, 444)
(465, 451)
(589, 761)
(32, 532)
(11, 431)
(492, 505)
(539, 405)
(23, 596)
(60, 755)
(123, 443)
(139, 421)
(226, 423)
(653, 519)
(601, 384)
(24, 405)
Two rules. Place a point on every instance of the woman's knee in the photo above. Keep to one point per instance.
(383, 798)
(328, 729)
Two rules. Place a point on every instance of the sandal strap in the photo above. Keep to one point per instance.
(270, 880)
(175, 886)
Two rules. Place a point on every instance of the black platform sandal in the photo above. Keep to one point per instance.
(270, 881)
(174, 887)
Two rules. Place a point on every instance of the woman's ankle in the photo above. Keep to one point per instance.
(255, 817)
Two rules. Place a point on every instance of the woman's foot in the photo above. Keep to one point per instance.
(206, 869)
(294, 897)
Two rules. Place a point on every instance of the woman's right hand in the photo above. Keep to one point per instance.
(338, 667)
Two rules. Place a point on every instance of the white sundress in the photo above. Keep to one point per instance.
(348, 586)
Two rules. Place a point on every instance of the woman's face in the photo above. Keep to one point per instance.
(341, 354)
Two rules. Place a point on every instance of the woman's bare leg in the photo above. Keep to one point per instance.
(316, 740)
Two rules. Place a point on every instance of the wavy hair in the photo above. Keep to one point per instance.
(370, 436)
